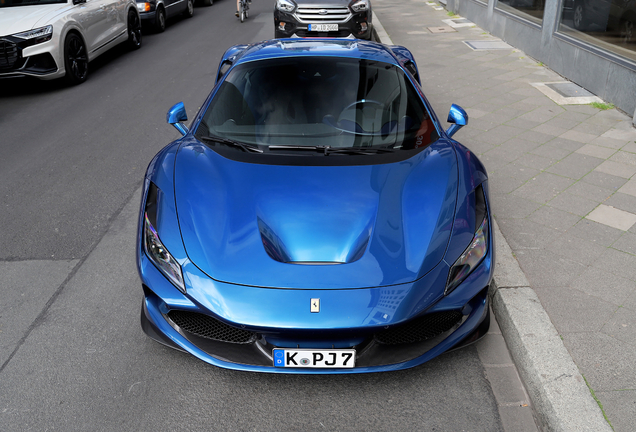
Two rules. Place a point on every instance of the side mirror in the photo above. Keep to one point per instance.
(458, 117)
(176, 115)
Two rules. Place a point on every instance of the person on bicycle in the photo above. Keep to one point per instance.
(237, 6)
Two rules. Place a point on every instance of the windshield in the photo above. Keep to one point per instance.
(9, 3)
(319, 102)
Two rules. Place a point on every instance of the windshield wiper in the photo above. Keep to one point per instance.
(244, 146)
(358, 150)
(293, 147)
(327, 150)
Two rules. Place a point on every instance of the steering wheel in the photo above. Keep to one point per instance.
(361, 102)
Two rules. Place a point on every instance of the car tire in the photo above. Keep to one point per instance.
(578, 16)
(75, 59)
(189, 11)
(207, 2)
(134, 30)
(160, 20)
(628, 30)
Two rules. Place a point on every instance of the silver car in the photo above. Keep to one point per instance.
(51, 39)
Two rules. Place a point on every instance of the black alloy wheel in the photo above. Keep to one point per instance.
(189, 9)
(134, 30)
(75, 59)
(578, 19)
(160, 20)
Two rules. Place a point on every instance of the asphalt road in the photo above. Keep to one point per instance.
(72, 354)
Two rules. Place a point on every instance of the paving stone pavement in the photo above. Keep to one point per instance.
(562, 184)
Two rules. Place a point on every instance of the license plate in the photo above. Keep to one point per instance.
(323, 27)
(314, 358)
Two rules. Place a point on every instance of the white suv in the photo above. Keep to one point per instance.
(57, 38)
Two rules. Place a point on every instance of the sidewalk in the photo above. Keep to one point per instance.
(563, 192)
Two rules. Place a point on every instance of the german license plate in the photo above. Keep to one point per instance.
(314, 358)
(323, 27)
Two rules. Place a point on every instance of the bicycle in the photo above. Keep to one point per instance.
(243, 9)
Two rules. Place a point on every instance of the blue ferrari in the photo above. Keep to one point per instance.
(315, 217)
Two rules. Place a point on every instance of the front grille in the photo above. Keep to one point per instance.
(210, 328)
(317, 14)
(420, 329)
(8, 55)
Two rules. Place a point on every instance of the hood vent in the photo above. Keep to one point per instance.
(317, 247)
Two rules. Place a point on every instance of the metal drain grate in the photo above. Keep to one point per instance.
(566, 93)
(569, 89)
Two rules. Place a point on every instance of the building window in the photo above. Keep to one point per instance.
(608, 24)
(528, 9)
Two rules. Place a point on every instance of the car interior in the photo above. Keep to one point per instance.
(340, 103)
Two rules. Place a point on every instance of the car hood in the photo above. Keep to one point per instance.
(17, 19)
(315, 227)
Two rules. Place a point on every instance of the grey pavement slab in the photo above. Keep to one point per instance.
(623, 201)
(620, 406)
(615, 289)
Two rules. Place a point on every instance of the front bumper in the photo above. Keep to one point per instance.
(391, 328)
(358, 25)
(149, 17)
(18, 58)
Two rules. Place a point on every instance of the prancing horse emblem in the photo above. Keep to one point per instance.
(315, 305)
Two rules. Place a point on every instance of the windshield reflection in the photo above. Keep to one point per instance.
(319, 101)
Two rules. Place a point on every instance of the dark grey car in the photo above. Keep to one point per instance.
(323, 18)
(154, 13)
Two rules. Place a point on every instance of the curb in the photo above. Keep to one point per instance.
(560, 396)
(381, 35)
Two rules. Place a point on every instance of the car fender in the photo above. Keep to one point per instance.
(160, 171)
(471, 174)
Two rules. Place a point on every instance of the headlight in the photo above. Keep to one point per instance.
(285, 5)
(359, 6)
(475, 252)
(144, 7)
(155, 250)
(37, 35)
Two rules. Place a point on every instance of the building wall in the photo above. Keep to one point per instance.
(607, 75)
